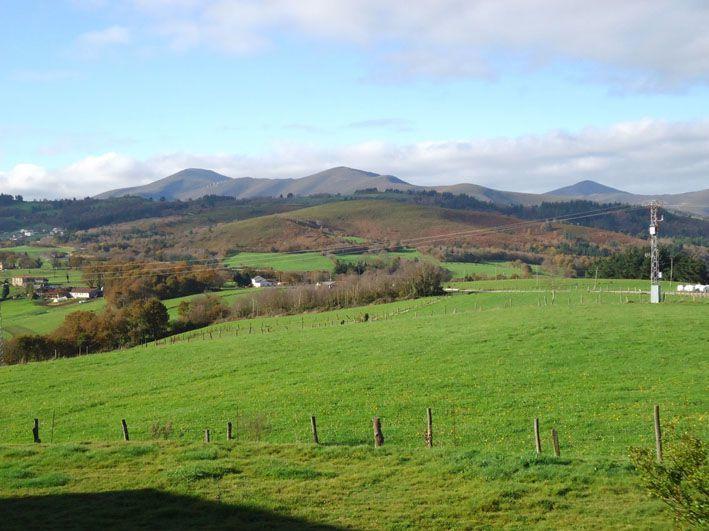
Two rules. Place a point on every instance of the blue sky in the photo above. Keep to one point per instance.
(526, 95)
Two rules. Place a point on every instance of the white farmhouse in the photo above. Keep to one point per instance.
(260, 282)
(84, 293)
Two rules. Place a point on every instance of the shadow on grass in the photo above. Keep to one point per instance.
(138, 509)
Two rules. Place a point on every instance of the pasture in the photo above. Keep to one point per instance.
(22, 316)
(589, 365)
(316, 261)
(485, 363)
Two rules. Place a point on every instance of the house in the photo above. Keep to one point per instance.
(260, 282)
(84, 293)
(53, 292)
(25, 280)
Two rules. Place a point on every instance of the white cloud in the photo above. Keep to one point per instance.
(85, 177)
(640, 45)
(642, 157)
(92, 43)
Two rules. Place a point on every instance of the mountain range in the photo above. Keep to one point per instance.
(193, 183)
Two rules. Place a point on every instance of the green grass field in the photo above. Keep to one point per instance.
(489, 269)
(54, 276)
(281, 261)
(314, 261)
(60, 276)
(543, 282)
(23, 316)
(487, 364)
(36, 250)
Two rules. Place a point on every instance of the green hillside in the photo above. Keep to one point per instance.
(486, 364)
(23, 316)
(565, 378)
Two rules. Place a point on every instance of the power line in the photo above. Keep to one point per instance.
(162, 268)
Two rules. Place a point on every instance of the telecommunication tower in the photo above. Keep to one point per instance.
(2, 337)
(655, 273)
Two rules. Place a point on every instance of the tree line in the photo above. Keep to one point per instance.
(126, 323)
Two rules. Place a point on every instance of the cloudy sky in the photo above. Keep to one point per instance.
(525, 95)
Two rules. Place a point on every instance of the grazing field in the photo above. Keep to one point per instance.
(547, 283)
(60, 276)
(487, 364)
(310, 261)
(466, 356)
(22, 316)
(227, 295)
(489, 269)
(315, 261)
(177, 485)
(35, 251)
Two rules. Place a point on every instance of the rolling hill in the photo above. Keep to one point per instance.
(378, 220)
(194, 183)
(691, 202)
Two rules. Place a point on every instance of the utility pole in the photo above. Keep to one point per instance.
(655, 274)
(2, 337)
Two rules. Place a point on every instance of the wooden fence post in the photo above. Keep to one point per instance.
(125, 430)
(206, 436)
(658, 433)
(378, 436)
(555, 440)
(229, 434)
(314, 426)
(429, 428)
(537, 438)
(35, 431)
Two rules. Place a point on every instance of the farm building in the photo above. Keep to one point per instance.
(26, 280)
(84, 293)
(53, 292)
(260, 282)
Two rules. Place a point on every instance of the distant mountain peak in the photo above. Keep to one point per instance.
(582, 188)
(198, 173)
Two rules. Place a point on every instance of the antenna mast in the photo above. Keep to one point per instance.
(2, 338)
(655, 274)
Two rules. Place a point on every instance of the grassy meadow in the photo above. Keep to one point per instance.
(315, 261)
(590, 365)
(35, 251)
(23, 316)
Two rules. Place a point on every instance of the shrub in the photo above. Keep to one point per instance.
(411, 280)
(681, 480)
(23, 349)
(202, 310)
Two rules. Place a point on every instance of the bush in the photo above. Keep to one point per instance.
(202, 310)
(681, 480)
(411, 280)
(23, 349)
